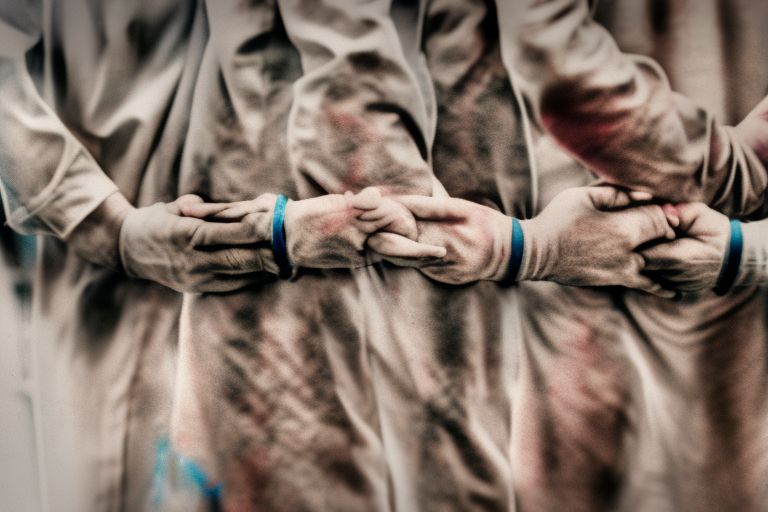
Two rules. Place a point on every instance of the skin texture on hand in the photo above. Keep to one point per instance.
(330, 231)
(693, 261)
(588, 237)
(477, 239)
(189, 254)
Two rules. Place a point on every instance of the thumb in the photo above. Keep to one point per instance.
(433, 208)
(392, 246)
(367, 199)
(176, 207)
(688, 213)
(611, 198)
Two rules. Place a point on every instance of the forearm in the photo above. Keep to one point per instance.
(96, 238)
(48, 180)
(618, 114)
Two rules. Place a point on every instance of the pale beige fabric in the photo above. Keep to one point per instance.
(375, 389)
(629, 402)
(754, 260)
(617, 113)
(96, 97)
(19, 458)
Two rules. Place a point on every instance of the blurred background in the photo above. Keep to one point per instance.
(21, 481)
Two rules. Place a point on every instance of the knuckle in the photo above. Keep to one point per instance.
(637, 262)
(659, 218)
(264, 201)
(251, 220)
(267, 197)
(357, 240)
(183, 237)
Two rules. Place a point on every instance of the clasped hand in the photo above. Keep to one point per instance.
(587, 236)
(591, 236)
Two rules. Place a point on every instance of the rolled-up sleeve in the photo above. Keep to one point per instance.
(48, 180)
(618, 114)
(359, 117)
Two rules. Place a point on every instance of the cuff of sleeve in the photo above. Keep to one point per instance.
(59, 209)
(754, 259)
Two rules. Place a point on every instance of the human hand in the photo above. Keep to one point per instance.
(329, 231)
(188, 254)
(588, 236)
(692, 262)
(477, 239)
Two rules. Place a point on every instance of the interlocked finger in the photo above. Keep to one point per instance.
(645, 224)
(390, 245)
(663, 256)
(230, 261)
(431, 208)
(392, 217)
(250, 230)
(646, 284)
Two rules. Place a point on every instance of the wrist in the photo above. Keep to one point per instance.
(534, 264)
(503, 248)
(96, 238)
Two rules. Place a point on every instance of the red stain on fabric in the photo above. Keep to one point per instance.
(351, 127)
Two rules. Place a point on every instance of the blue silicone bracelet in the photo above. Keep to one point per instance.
(279, 249)
(518, 248)
(732, 260)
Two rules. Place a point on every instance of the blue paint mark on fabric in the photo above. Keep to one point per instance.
(160, 471)
(196, 474)
(191, 473)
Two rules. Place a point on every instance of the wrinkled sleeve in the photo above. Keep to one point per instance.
(358, 117)
(49, 182)
(618, 114)
(754, 260)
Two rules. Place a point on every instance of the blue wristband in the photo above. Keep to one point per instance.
(279, 249)
(732, 260)
(518, 248)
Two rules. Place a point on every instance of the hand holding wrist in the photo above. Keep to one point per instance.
(696, 259)
(589, 236)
